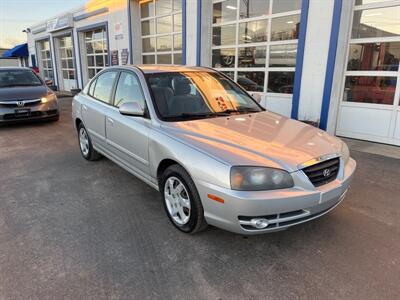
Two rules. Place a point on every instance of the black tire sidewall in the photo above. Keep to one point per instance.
(176, 171)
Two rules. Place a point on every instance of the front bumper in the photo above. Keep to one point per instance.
(39, 111)
(282, 208)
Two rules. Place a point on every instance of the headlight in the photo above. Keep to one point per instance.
(259, 179)
(49, 97)
(345, 152)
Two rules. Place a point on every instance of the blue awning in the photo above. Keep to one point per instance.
(18, 51)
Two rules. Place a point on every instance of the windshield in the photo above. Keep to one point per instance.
(10, 78)
(198, 94)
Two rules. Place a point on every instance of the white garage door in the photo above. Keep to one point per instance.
(370, 108)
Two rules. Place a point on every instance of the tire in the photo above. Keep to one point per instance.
(192, 220)
(85, 144)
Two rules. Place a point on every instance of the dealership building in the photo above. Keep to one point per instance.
(334, 63)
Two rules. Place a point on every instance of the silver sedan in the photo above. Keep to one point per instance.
(216, 156)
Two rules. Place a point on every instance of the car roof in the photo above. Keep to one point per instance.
(149, 69)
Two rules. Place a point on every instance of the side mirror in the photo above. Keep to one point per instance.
(49, 82)
(75, 92)
(132, 109)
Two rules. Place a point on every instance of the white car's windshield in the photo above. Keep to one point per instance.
(10, 78)
(193, 94)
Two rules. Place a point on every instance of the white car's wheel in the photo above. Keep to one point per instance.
(181, 200)
(85, 144)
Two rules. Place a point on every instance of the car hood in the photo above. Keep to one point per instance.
(22, 92)
(260, 139)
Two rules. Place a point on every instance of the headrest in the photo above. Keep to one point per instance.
(181, 86)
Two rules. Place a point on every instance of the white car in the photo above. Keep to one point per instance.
(213, 152)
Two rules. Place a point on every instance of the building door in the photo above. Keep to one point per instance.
(370, 109)
(44, 59)
(67, 74)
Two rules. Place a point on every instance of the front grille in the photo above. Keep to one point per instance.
(323, 172)
(27, 103)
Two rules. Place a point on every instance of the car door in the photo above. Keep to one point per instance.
(127, 136)
(95, 106)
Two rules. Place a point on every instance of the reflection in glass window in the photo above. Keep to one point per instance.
(374, 57)
(224, 11)
(251, 81)
(164, 43)
(128, 90)
(253, 32)
(147, 9)
(285, 28)
(160, 20)
(370, 89)
(282, 55)
(253, 8)
(380, 22)
(281, 82)
(281, 6)
(224, 35)
(223, 58)
(252, 57)
(230, 74)
(103, 88)
(163, 7)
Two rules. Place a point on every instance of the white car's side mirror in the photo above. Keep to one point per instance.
(132, 109)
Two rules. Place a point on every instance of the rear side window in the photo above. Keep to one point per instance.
(128, 90)
(103, 88)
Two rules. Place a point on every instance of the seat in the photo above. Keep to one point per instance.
(162, 97)
(183, 101)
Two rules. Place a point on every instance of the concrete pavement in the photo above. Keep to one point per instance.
(76, 229)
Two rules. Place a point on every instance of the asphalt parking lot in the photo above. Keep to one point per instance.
(76, 229)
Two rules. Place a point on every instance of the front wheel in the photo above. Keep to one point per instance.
(181, 200)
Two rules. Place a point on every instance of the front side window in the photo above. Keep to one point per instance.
(128, 90)
(103, 88)
(10, 78)
(197, 94)
(161, 31)
(255, 42)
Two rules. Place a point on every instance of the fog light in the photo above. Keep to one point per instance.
(259, 223)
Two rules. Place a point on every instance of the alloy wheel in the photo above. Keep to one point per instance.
(177, 200)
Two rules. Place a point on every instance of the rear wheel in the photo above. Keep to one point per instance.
(85, 144)
(181, 200)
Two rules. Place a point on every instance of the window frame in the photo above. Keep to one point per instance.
(154, 18)
(370, 73)
(237, 47)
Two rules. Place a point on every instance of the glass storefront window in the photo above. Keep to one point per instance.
(253, 8)
(44, 59)
(280, 82)
(379, 22)
(251, 81)
(370, 89)
(223, 58)
(161, 22)
(224, 35)
(253, 32)
(269, 29)
(224, 11)
(96, 51)
(252, 57)
(178, 58)
(285, 28)
(374, 57)
(231, 75)
(282, 55)
(281, 6)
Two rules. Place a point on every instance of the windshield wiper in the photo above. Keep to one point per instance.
(241, 110)
(193, 115)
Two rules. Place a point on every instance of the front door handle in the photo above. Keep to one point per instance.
(109, 120)
(84, 107)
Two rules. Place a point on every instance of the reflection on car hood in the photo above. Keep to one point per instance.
(262, 139)
(22, 92)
